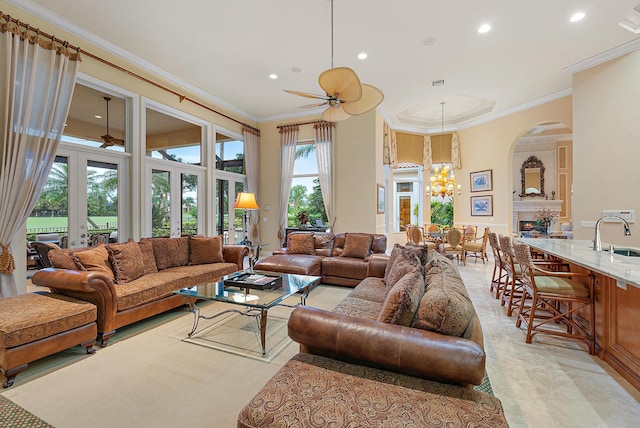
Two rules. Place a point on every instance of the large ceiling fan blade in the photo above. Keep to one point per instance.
(307, 106)
(306, 94)
(371, 97)
(342, 82)
(335, 114)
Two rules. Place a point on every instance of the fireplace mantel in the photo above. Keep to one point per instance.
(525, 210)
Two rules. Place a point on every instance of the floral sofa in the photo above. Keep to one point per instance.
(131, 281)
(405, 347)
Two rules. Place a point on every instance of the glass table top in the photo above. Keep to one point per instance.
(257, 298)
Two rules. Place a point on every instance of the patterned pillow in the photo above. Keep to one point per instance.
(171, 252)
(401, 262)
(148, 260)
(445, 307)
(301, 243)
(403, 300)
(357, 245)
(204, 250)
(127, 262)
(95, 259)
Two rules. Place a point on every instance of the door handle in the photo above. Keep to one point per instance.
(83, 236)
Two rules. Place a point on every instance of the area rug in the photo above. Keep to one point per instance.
(485, 386)
(240, 334)
(14, 416)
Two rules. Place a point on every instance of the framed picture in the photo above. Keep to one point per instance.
(482, 181)
(380, 200)
(482, 205)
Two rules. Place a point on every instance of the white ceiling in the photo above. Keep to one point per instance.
(225, 50)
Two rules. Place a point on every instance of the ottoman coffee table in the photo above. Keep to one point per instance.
(256, 301)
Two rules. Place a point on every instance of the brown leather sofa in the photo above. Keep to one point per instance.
(407, 347)
(132, 281)
(341, 259)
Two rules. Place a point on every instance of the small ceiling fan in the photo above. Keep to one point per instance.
(110, 140)
(345, 95)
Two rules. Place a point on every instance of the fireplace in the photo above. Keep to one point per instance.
(524, 214)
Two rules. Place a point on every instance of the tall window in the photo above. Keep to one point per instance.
(442, 206)
(305, 198)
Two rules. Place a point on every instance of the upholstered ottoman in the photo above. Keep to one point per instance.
(314, 391)
(300, 264)
(35, 325)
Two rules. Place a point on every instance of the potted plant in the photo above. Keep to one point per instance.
(303, 218)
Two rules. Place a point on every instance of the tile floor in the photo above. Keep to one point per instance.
(552, 382)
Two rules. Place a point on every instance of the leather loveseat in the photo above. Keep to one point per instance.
(132, 281)
(341, 259)
(406, 347)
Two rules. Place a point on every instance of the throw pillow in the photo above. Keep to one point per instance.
(204, 250)
(401, 262)
(445, 307)
(95, 259)
(126, 259)
(357, 245)
(171, 252)
(403, 300)
(301, 243)
(148, 260)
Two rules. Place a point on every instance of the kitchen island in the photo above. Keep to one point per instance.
(617, 299)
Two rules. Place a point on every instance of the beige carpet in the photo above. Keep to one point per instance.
(155, 379)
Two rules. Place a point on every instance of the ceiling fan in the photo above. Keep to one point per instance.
(345, 95)
(110, 140)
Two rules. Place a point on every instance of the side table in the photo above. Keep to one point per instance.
(254, 253)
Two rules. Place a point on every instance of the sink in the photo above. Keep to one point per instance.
(627, 252)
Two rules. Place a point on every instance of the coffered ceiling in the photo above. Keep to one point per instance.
(226, 50)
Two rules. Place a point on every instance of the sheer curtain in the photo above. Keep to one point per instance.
(324, 149)
(288, 141)
(252, 162)
(36, 85)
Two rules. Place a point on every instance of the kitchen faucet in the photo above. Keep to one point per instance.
(597, 244)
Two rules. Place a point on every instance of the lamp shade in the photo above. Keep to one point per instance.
(246, 201)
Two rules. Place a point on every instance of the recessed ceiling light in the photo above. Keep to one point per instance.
(273, 76)
(484, 28)
(97, 116)
(577, 17)
(362, 55)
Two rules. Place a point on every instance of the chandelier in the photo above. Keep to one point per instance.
(441, 183)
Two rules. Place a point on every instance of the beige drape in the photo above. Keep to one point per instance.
(324, 151)
(37, 78)
(252, 164)
(288, 141)
(455, 151)
(427, 159)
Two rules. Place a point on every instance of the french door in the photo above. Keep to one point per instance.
(229, 221)
(85, 195)
(174, 199)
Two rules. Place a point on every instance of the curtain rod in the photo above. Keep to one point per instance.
(124, 70)
(312, 122)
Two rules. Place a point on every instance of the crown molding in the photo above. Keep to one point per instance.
(616, 52)
(48, 16)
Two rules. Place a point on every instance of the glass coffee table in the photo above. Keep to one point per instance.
(256, 301)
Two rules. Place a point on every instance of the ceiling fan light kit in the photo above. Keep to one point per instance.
(345, 95)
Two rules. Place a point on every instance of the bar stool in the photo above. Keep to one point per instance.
(555, 299)
(512, 290)
(499, 276)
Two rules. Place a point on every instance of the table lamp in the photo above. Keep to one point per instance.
(246, 201)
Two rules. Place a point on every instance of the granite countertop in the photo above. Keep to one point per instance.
(622, 268)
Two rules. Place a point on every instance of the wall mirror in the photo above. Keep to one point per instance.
(532, 172)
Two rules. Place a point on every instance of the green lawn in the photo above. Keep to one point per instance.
(44, 222)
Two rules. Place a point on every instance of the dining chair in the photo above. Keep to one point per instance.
(454, 245)
(556, 299)
(477, 247)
